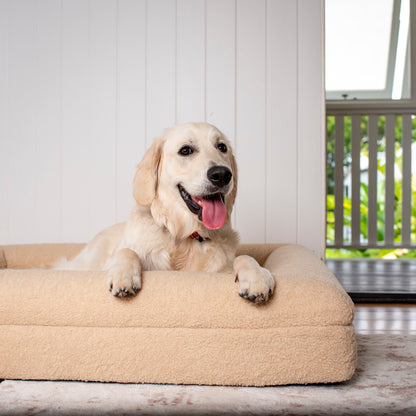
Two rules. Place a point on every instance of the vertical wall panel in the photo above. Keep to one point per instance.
(102, 84)
(220, 65)
(311, 127)
(77, 155)
(281, 175)
(190, 67)
(47, 68)
(221, 69)
(23, 108)
(131, 99)
(161, 67)
(87, 85)
(250, 119)
(5, 181)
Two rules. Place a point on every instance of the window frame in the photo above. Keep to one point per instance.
(386, 104)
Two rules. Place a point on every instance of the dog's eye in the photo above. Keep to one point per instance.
(186, 150)
(222, 147)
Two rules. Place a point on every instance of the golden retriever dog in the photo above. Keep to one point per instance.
(185, 188)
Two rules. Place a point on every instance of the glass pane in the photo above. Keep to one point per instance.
(357, 44)
(367, 49)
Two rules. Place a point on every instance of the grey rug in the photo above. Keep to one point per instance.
(384, 384)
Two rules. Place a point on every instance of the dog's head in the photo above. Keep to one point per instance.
(189, 179)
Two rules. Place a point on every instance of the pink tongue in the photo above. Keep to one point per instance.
(214, 213)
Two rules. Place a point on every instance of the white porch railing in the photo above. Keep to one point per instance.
(370, 202)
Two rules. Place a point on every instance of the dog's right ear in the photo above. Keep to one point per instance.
(146, 180)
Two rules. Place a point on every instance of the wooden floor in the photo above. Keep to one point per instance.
(381, 281)
(375, 275)
(396, 278)
(377, 280)
(399, 319)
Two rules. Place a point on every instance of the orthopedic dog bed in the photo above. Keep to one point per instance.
(181, 328)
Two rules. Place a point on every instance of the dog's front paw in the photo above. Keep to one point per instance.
(124, 280)
(256, 283)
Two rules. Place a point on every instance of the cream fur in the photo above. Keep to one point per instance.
(156, 235)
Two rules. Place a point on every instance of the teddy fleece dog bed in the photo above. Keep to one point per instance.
(182, 327)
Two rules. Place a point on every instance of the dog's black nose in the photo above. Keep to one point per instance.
(219, 175)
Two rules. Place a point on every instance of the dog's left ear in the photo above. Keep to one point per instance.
(230, 199)
(146, 180)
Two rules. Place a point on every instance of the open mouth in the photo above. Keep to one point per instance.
(210, 209)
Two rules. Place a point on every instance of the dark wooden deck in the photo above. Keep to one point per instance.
(377, 280)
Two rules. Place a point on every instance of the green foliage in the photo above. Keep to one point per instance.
(369, 253)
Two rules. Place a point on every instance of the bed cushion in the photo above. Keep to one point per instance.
(182, 327)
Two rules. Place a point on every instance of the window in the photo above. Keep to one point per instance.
(371, 147)
(368, 50)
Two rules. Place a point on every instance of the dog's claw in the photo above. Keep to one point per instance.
(256, 298)
(244, 294)
(260, 298)
(124, 291)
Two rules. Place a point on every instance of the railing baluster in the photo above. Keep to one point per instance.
(372, 179)
(390, 208)
(339, 180)
(355, 179)
(407, 178)
(389, 175)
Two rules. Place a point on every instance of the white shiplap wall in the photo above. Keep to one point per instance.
(86, 84)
